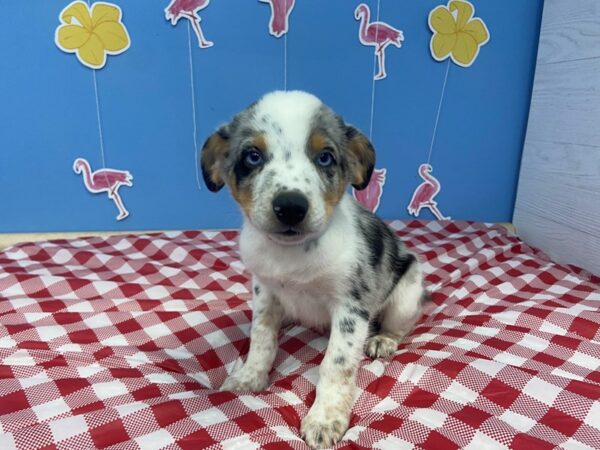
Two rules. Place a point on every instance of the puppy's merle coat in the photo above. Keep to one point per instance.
(316, 255)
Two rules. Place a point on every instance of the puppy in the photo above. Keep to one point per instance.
(316, 255)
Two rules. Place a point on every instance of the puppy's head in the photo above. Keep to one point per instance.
(287, 160)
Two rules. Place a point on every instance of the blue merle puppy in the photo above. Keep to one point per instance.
(316, 255)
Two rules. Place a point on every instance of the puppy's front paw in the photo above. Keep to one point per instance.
(324, 427)
(380, 346)
(244, 381)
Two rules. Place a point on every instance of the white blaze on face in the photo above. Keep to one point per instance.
(286, 120)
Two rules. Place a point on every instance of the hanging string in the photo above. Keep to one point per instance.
(98, 119)
(374, 73)
(439, 110)
(101, 135)
(285, 50)
(194, 122)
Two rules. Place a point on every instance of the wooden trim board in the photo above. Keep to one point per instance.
(8, 239)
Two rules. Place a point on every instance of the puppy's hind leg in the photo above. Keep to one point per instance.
(402, 309)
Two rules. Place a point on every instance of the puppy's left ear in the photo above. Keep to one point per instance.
(214, 152)
(361, 158)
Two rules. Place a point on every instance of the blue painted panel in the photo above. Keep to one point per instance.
(48, 113)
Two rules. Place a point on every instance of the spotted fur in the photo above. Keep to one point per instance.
(340, 268)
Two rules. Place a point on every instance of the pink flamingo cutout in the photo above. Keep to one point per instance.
(188, 9)
(378, 35)
(371, 195)
(424, 194)
(280, 13)
(105, 180)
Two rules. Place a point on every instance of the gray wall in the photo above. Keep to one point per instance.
(558, 199)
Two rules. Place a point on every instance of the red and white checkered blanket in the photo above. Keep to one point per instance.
(122, 342)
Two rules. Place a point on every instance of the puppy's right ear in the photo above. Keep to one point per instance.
(214, 152)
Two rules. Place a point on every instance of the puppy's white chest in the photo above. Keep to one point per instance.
(309, 305)
(305, 279)
(304, 284)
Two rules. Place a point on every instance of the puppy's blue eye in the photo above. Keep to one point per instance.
(253, 158)
(325, 159)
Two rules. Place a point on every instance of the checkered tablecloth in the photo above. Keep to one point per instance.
(122, 342)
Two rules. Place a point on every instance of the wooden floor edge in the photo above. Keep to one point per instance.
(8, 239)
(509, 226)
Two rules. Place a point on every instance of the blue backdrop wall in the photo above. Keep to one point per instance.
(48, 109)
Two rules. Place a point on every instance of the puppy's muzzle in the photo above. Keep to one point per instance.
(290, 208)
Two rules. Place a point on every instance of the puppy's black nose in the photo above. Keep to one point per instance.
(290, 207)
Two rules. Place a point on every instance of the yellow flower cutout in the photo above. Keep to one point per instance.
(92, 33)
(456, 33)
